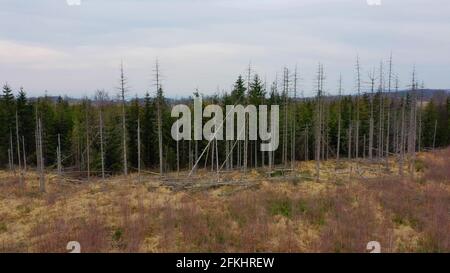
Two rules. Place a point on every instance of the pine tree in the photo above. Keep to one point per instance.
(132, 121)
(26, 122)
(149, 143)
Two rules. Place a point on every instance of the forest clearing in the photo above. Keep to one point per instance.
(354, 202)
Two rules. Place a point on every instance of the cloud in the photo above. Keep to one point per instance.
(207, 43)
(13, 53)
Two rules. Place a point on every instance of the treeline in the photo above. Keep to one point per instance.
(89, 137)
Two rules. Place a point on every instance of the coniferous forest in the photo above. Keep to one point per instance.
(378, 119)
(355, 170)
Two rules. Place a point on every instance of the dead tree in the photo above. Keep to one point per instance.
(178, 152)
(294, 121)
(381, 114)
(124, 130)
(388, 112)
(246, 122)
(21, 177)
(36, 138)
(318, 121)
(159, 117)
(412, 127)
(306, 143)
(58, 152)
(286, 111)
(371, 121)
(88, 150)
(402, 134)
(349, 140)
(358, 79)
(102, 152)
(101, 96)
(434, 134)
(24, 155)
(338, 147)
(41, 157)
(139, 149)
(13, 168)
(9, 160)
(419, 112)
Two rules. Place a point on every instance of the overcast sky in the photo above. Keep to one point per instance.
(206, 44)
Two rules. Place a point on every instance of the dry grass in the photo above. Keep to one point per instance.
(290, 215)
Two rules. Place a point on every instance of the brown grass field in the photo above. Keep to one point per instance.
(292, 213)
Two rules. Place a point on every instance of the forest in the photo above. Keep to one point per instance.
(352, 167)
(110, 133)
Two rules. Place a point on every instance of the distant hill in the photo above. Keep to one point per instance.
(427, 94)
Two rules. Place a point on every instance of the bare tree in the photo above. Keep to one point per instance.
(139, 148)
(371, 121)
(88, 149)
(58, 153)
(358, 83)
(21, 177)
(434, 134)
(381, 113)
(349, 140)
(388, 112)
(246, 122)
(318, 120)
(294, 121)
(178, 152)
(419, 112)
(124, 131)
(24, 155)
(402, 133)
(9, 160)
(11, 151)
(412, 126)
(338, 147)
(101, 96)
(159, 99)
(41, 157)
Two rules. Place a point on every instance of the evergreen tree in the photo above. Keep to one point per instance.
(238, 92)
(132, 120)
(149, 136)
(26, 123)
(7, 122)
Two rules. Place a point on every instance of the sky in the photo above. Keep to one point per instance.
(48, 46)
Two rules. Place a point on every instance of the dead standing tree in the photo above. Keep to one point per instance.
(380, 113)
(124, 130)
(294, 121)
(388, 125)
(402, 132)
(159, 102)
(39, 154)
(412, 126)
(88, 150)
(58, 156)
(318, 121)
(21, 176)
(358, 85)
(139, 149)
(101, 97)
(338, 145)
(371, 120)
(24, 155)
(286, 111)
